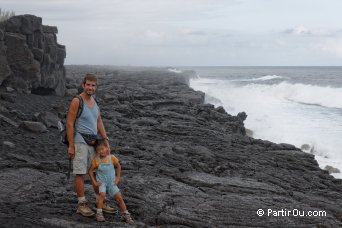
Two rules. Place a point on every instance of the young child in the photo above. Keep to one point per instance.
(107, 178)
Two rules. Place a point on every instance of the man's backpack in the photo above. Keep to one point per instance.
(62, 122)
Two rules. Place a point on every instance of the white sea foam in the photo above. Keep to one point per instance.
(279, 113)
(299, 93)
(267, 77)
(174, 70)
(208, 81)
(309, 94)
(263, 78)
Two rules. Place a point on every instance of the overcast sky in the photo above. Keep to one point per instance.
(193, 32)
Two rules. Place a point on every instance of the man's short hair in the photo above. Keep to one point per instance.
(90, 77)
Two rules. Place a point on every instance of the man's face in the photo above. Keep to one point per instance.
(89, 87)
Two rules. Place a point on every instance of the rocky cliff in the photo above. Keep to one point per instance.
(31, 60)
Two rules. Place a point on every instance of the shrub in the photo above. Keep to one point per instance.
(5, 14)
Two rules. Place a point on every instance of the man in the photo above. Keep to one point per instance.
(87, 127)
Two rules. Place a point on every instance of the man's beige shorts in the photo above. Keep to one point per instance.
(84, 154)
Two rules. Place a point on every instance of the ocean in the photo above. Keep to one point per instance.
(296, 105)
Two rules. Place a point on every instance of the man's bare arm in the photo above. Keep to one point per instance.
(102, 131)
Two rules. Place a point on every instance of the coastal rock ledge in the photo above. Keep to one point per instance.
(185, 163)
(31, 60)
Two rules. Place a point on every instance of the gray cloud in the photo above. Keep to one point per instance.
(192, 32)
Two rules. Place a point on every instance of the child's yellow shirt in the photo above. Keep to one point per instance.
(95, 162)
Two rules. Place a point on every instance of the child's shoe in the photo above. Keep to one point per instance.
(108, 209)
(126, 216)
(99, 217)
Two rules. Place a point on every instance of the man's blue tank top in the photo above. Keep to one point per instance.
(87, 122)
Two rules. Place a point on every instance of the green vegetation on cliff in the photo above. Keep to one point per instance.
(5, 14)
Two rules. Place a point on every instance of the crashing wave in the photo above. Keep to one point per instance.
(174, 70)
(300, 93)
(263, 78)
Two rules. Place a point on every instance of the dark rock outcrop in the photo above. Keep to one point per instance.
(331, 169)
(31, 60)
(184, 163)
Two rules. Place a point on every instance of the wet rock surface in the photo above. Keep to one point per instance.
(185, 163)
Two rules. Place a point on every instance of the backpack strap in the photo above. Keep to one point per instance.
(80, 107)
